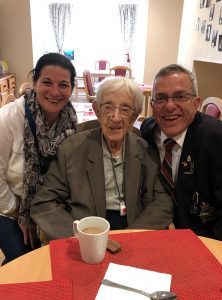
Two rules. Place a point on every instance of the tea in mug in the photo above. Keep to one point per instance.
(92, 230)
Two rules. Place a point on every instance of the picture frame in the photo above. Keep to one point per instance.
(208, 32)
(203, 26)
(214, 38)
(220, 16)
(198, 24)
(208, 3)
(211, 14)
(220, 42)
(202, 2)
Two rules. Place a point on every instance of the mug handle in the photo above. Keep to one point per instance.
(75, 223)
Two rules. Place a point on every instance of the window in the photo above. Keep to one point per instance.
(94, 33)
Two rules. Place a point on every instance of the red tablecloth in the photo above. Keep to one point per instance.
(196, 274)
(45, 290)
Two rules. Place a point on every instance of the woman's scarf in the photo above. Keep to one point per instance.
(39, 151)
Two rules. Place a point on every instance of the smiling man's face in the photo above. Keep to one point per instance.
(173, 118)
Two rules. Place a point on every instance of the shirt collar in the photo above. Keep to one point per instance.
(105, 149)
(179, 138)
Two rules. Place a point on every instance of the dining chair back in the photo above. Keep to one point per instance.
(123, 71)
(24, 88)
(79, 87)
(102, 65)
(8, 99)
(212, 106)
(89, 88)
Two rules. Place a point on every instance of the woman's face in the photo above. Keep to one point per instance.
(116, 123)
(53, 90)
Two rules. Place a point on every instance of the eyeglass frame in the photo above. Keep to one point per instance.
(180, 98)
(131, 110)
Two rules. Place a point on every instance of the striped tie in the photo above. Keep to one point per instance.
(166, 167)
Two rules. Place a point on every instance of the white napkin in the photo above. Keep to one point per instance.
(145, 280)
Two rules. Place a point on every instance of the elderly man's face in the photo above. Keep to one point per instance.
(116, 115)
(174, 117)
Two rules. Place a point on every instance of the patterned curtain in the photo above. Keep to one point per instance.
(60, 14)
(128, 13)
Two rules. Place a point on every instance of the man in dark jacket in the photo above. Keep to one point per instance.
(196, 162)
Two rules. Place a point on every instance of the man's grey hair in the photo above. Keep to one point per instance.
(117, 84)
(174, 68)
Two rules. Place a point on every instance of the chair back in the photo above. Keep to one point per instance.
(212, 110)
(90, 93)
(212, 106)
(102, 65)
(24, 88)
(123, 71)
(8, 99)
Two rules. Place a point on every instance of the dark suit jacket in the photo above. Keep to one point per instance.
(202, 150)
(74, 186)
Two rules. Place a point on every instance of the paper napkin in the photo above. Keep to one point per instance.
(145, 280)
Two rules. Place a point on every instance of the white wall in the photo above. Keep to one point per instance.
(196, 53)
(193, 45)
(163, 31)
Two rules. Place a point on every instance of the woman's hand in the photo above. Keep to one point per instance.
(30, 234)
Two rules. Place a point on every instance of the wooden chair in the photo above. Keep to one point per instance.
(102, 65)
(8, 99)
(89, 88)
(123, 71)
(79, 87)
(24, 88)
(212, 106)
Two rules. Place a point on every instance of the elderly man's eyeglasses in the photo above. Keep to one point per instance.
(177, 98)
(109, 109)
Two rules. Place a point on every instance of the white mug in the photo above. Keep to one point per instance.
(92, 233)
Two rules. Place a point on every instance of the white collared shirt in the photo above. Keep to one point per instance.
(176, 150)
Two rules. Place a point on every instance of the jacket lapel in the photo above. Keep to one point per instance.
(95, 171)
(131, 176)
(187, 168)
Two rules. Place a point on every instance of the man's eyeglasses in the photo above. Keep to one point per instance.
(177, 98)
(124, 111)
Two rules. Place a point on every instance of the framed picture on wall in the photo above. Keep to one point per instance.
(220, 43)
(208, 32)
(214, 38)
(198, 24)
(211, 15)
(202, 3)
(208, 3)
(217, 0)
(203, 25)
(220, 16)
